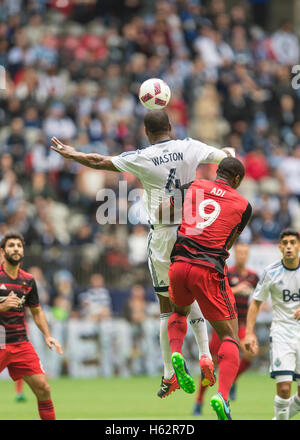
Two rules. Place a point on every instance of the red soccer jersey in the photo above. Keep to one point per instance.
(242, 298)
(213, 213)
(13, 320)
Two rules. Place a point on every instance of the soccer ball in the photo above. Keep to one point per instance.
(154, 94)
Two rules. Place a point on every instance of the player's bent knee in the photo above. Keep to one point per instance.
(284, 389)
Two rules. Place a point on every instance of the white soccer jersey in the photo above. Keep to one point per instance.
(164, 166)
(283, 286)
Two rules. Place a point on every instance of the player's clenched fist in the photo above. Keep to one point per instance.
(12, 301)
(250, 343)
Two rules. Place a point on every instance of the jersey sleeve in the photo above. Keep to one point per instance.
(261, 292)
(204, 153)
(245, 218)
(32, 299)
(128, 162)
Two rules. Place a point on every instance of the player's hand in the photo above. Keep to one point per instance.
(297, 315)
(12, 301)
(250, 343)
(229, 151)
(52, 341)
(63, 149)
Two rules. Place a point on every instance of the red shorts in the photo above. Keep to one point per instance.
(21, 360)
(215, 342)
(189, 282)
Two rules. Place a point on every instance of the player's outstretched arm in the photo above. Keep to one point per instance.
(41, 322)
(229, 151)
(250, 340)
(91, 160)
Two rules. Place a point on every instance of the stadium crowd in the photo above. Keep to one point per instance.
(73, 71)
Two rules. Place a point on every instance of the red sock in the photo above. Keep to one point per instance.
(19, 386)
(244, 365)
(201, 392)
(177, 328)
(228, 360)
(46, 410)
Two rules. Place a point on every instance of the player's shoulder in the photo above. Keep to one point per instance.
(273, 268)
(130, 153)
(25, 275)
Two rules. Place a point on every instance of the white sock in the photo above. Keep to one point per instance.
(199, 327)
(165, 346)
(294, 406)
(281, 408)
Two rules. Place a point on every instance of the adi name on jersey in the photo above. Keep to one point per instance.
(167, 157)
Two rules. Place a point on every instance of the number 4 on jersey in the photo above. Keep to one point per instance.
(172, 182)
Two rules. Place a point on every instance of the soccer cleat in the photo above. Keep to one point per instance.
(221, 407)
(208, 377)
(197, 410)
(168, 386)
(184, 379)
(20, 398)
(232, 392)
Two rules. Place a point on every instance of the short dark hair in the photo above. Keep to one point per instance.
(11, 234)
(230, 167)
(157, 121)
(289, 231)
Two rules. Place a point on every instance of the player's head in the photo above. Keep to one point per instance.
(157, 124)
(289, 244)
(232, 170)
(241, 253)
(12, 247)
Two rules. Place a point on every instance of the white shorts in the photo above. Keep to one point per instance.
(160, 244)
(285, 360)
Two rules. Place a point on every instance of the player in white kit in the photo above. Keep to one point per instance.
(163, 166)
(281, 281)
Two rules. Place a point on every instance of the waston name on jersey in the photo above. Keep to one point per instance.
(167, 157)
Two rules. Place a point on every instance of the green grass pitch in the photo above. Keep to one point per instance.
(135, 398)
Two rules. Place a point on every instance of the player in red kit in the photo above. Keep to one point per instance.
(18, 289)
(213, 216)
(242, 282)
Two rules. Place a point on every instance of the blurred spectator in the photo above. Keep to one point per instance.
(42, 287)
(95, 303)
(63, 295)
(285, 45)
(135, 307)
(137, 245)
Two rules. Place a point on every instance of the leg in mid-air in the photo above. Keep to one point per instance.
(40, 387)
(212, 291)
(177, 329)
(228, 361)
(160, 245)
(199, 327)
(183, 303)
(214, 345)
(169, 381)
